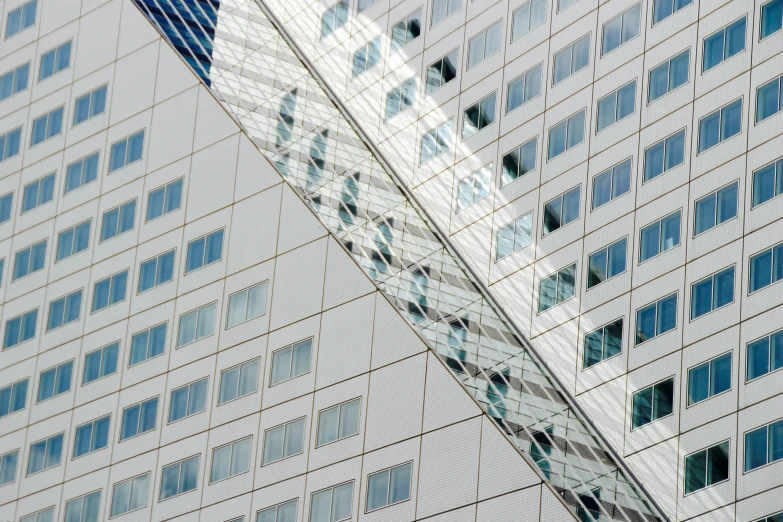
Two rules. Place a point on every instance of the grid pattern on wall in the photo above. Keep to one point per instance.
(661, 117)
(289, 117)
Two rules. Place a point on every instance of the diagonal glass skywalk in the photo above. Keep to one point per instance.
(248, 64)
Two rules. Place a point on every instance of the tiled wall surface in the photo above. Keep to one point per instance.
(464, 469)
(656, 452)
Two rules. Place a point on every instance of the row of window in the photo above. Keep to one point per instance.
(711, 210)
(334, 423)
(194, 325)
(664, 78)
(708, 294)
(718, 46)
(333, 504)
(115, 221)
(238, 381)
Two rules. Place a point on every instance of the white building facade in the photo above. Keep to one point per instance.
(232, 239)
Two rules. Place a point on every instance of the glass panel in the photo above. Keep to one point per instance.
(349, 419)
(377, 490)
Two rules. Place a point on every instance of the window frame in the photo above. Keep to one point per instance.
(519, 149)
(334, 27)
(664, 140)
(770, 249)
(33, 517)
(205, 237)
(198, 315)
(706, 451)
(711, 277)
(82, 160)
(110, 277)
(47, 115)
(92, 422)
(12, 386)
(284, 425)
(484, 54)
(90, 93)
(188, 385)
(514, 223)
(230, 460)
(56, 368)
(83, 498)
(570, 48)
(102, 349)
(656, 302)
(292, 346)
(561, 197)
(432, 12)
(148, 330)
(745, 434)
(778, 80)
(366, 48)
(622, 24)
(406, 19)
(668, 16)
(240, 366)
(73, 241)
(157, 259)
(524, 76)
(723, 30)
(65, 298)
(602, 328)
(140, 404)
(5, 143)
(400, 110)
(719, 112)
(761, 13)
(709, 364)
(472, 182)
(668, 62)
(16, 464)
(610, 170)
(388, 487)
(529, 27)
(709, 194)
(616, 93)
(20, 8)
(130, 493)
(13, 71)
(479, 105)
(268, 508)
(8, 194)
(55, 49)
(769, 355)
(436, 128)
(247, 289)
(179, 463)
(165, 187)
(557, 272)
(778, 174)
(607, 248)
(46, 447)
(21, 317)
(339, 407)
(119, 211)
(331, 500)
(455, 52)
(38, 202)
(565, 121)
(127, 139)
(652, 386)
(660, 236)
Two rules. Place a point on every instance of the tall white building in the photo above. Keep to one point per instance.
(303, 261)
